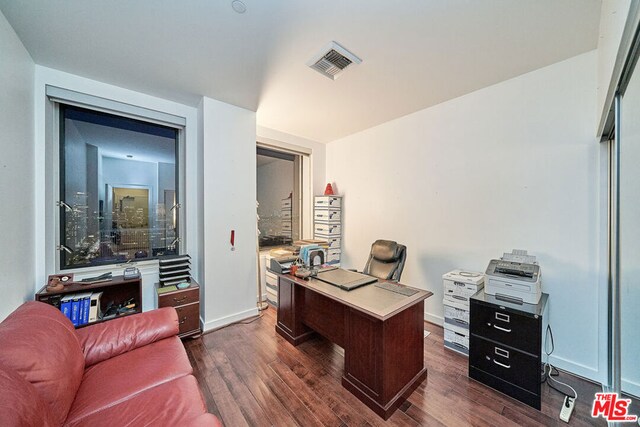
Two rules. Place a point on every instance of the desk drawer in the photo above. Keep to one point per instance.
(174, 299)
(188, 317)
(504, 362)
(505, 327)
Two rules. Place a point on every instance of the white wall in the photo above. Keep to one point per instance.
(228, 162)
(514, 165)
(44, 258)
(17, 280)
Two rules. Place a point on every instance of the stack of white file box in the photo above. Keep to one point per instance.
(327, 225)
(459, 286)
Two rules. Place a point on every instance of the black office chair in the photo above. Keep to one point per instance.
(386, 260)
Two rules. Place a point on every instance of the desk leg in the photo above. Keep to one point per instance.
(384, 361)
(290, 309)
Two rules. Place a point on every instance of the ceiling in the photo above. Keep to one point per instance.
(415, 53)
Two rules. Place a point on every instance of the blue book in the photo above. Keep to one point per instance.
(65, 305)
(86, 302)
(75, 310)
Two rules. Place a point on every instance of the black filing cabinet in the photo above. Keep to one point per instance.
(505, 345)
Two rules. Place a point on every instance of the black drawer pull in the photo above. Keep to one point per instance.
(502, 317)
(180, 299)
(502, 329)
(502, 352)
(501, 364)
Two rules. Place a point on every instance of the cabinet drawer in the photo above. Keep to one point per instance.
(327, 202)
(173, 299)
(329, 230)
(327, 215)
(504, 362)
(271, 280)
(503, 326)
(188, 317)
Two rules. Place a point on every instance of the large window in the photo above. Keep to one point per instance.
(118, 188)
(278, 189)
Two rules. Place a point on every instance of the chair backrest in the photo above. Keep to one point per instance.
(386, 260)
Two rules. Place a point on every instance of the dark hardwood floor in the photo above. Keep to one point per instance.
(249, 375)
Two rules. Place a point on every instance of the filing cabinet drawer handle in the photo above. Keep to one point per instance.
(501, 364)
(184, 319)
(502, 329)
(502, 317)
(180, 299)
(501, 352)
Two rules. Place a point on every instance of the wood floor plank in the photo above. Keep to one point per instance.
(249, 406)
(230, 412)
(249, 375)
(194, 352)
(303, 416)
(319, 408)
(255, 373)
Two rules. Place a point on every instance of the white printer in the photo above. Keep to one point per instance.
(515, 277)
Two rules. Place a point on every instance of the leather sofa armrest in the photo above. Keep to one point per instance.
(109, 339)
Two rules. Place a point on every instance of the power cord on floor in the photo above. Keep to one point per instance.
(551, 371)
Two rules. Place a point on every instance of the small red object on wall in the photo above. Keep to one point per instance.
(328, 191)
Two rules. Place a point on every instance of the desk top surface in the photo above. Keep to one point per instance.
(379, 303)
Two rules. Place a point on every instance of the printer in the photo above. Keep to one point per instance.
(515, 277)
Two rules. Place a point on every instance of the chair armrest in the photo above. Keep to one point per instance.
(109, 339)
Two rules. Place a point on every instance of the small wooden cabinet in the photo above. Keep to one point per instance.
(187, 304)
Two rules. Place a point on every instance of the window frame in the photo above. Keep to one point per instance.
(301, 162)
(123, 110)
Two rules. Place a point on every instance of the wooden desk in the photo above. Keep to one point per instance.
(381, 333)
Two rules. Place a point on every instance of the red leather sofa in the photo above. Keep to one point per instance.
(126, 372)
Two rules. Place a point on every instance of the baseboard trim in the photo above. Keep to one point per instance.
(631, 387)
(574, 368)
(432, 318)
(227, 320)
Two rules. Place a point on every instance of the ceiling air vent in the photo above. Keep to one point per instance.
(333, 60)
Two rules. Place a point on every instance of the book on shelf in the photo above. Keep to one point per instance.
(75, 310)
(65, 305)
(81, 308)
